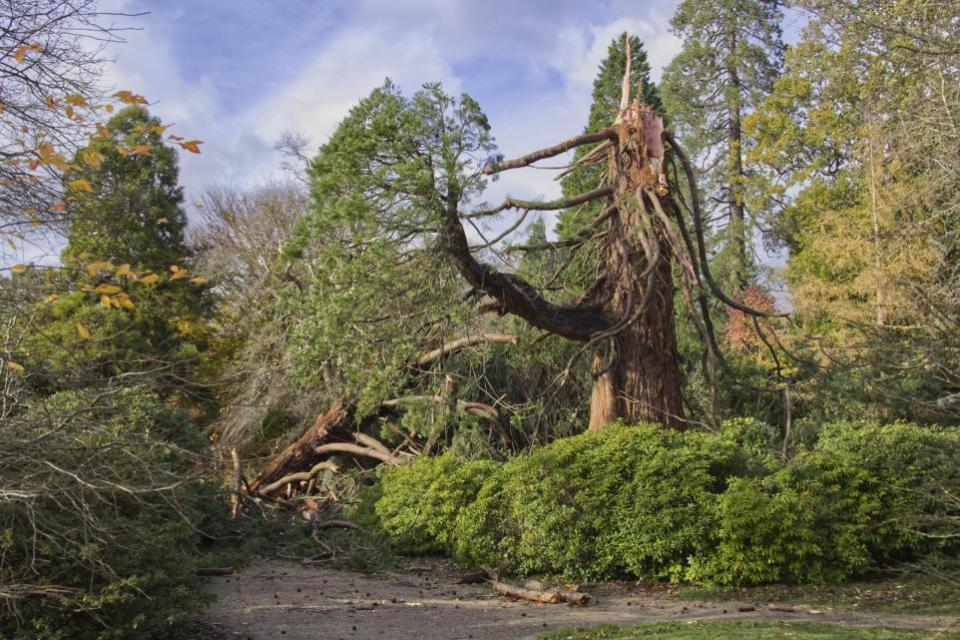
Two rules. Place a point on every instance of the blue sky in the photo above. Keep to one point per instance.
(238, 73)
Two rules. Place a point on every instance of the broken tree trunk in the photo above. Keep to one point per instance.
(337, 424)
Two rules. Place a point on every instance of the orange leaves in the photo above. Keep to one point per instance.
(128, 97)
(193, 146)
(80, 185)
(75, 100)
(140, 150)
(20, 54)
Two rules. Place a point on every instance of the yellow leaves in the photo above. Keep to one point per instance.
(19, 268)
(123, 271)
(163, 220)
(198, 280)
(92, 158)
(80, 185)
(94, 267)
(121, 300)
(177, 272)
(128, 97)
(53, 297)
(193, 146)
(76, 100)
(83, 332)
(150, 278)
(21, 53)
(14, 366)
(108, 289)
(141, 150)
(183, 326)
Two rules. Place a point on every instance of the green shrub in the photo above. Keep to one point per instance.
(918, 469)
(627, 500)
(104, 486)
(809, 522)
(651, 503)
(419, 503)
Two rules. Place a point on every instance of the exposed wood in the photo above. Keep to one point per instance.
(239, 482)
(520, 593)
(460, 343)
(337, 423)
(300, 476)
(357, 450)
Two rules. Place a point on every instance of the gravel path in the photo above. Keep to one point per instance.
(271, 599)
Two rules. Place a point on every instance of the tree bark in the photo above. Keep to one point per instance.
(737, 231)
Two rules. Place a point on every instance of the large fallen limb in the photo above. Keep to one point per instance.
(358, 450)
(302, 476)
(335, 424)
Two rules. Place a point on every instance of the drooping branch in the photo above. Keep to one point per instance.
(545, 205)
(525, 161)
(697, 215)
(460, 343)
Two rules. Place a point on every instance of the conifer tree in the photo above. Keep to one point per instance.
(732, 53)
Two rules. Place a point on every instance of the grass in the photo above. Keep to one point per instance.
(738, 631)
(912, 595)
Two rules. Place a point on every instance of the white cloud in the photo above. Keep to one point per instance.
(410, 42)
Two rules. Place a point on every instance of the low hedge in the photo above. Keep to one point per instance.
(647, 503)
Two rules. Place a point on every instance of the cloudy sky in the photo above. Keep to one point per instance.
(238, 73)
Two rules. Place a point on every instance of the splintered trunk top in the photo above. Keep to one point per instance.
(639, 380)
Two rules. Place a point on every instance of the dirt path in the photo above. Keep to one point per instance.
(272, 599)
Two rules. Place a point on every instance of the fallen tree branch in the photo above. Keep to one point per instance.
(358, 450)
(300, 476)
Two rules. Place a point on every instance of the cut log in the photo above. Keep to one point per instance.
(546, 597)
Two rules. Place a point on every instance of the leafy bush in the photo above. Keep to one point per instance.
(808, 522)
(418, 504)
(637, 500)
(99, 487)
(918, 470)
(650, 503)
